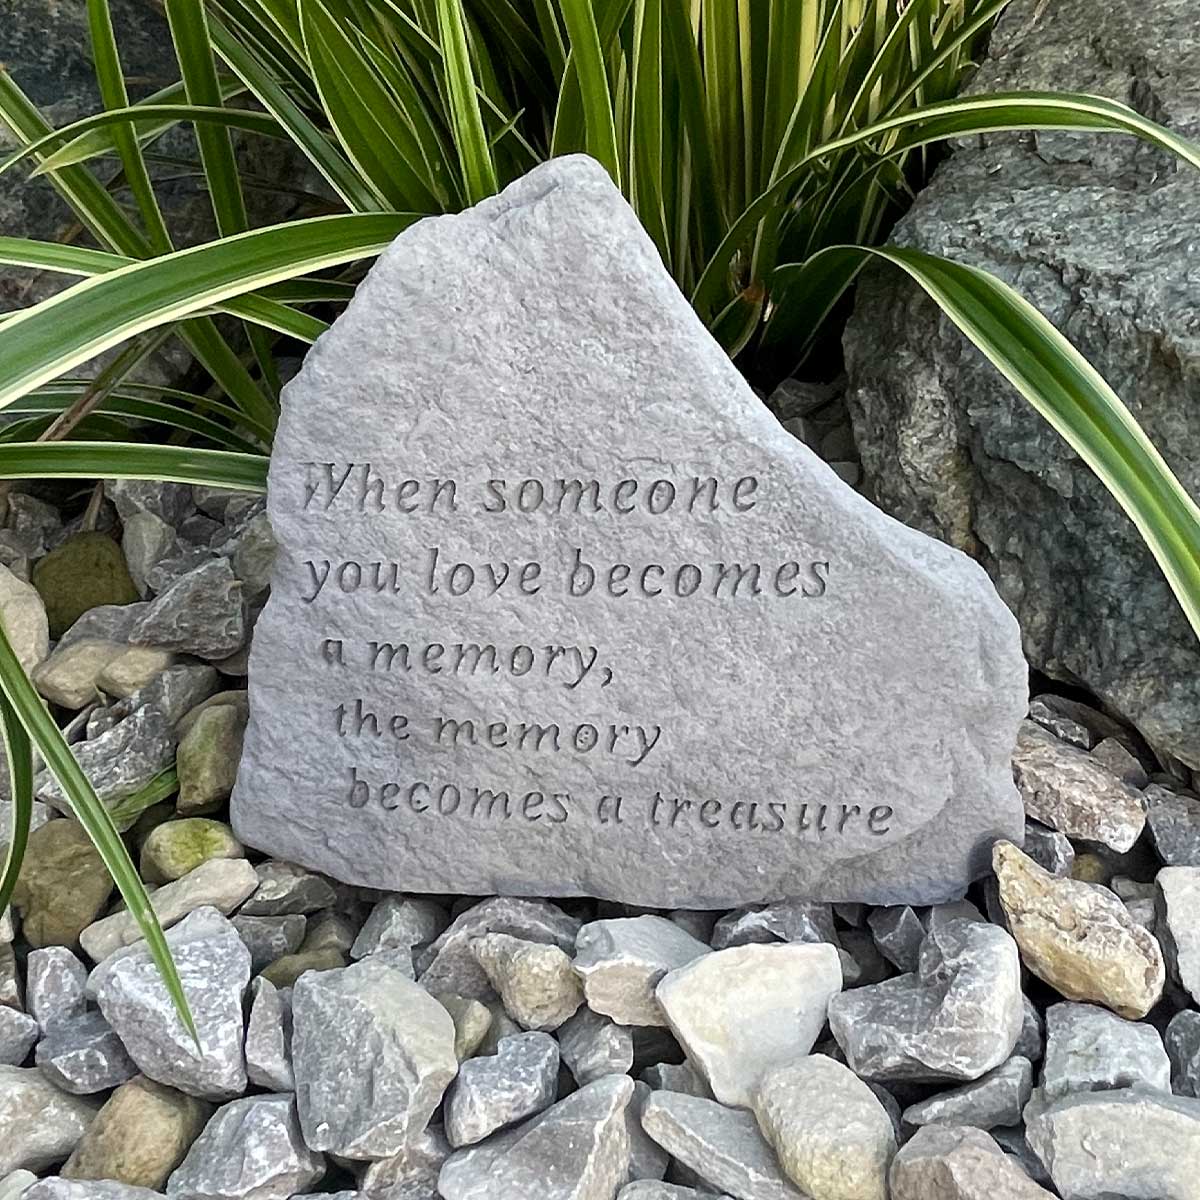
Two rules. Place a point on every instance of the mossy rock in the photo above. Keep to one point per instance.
(177, 847)
(63, 885)
(84, 572)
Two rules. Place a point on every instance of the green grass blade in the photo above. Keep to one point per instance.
(133, 460)
(29, 711)
(126, 811)
(588, 58)
(19, 753)
(53, 337)
(470, 136)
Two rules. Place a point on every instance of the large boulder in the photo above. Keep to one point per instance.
(1098, 232)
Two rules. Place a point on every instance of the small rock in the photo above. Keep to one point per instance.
(1089, 1049)
(997, 1098)
(57, 1188)
(1033, 1034)
(410, 1174)
(647, 1159)
(1051, 850)
(789, 921)
(220, 883)
(373, 1054)
(1178, 924)
(108, 623)
(740, 1012)
(84, 1056)
(269, 1038)
(594, 1046)
(24, 618)
(833, 1137)
(170, 502)
(1070, 791)
(208, 759)
(285, 889)
(676, 1077)
(18, 1032)
(202, 613)
(335, 931)
(1114, 756)
(1073, 721)
(285, 971)
(654, 1189)
(958, 1016)
(86, 571)
(472, 1021)
(723, 1146)
(41, 1123)
(270, 938)
(536, 983)
(13, 1185)
(399, 923)
(69, 677)
(35, 522)
(62, 886)
(254, 556)
(518, 1081)
(54, 986)
(132, 670)
(10, 979)
(140, 1136)
(145, 540)
(958, 1162)
(576, 1150)
(176, 847)
(214, 968)
(1130, 1144)
(622, 961)
(1182, 1040)
(251, 1149)
(1174, 822)
(1077, 937)
(898, 933)
(448, 963)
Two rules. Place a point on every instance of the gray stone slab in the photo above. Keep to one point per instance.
(542, 548)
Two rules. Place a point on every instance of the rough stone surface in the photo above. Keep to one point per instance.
(739, 1012)
(250, 1150)
(286, 889)
(577, 1150)
(1089, 1049)
(220, 883)
(1178, 924)
(1182, 1041)
(1130, 1144)
(1071, 791)
(593, 1046)
(1079, 937)
(472, 1023)
(133, 669)
(898, 933)
(832, 1136)
(13, 1185)
(86, 571)
(621, 962)
(41, 1124)
(1174, 823)
(214, 968)
(24, 618)
(412, 1173)
(1051, 850)
(373, 1054)
(536, 982)
(55, 1187)
(146, 540)
(270, 938)
(654, 1189)
(518, 1081)
(789, 921)
(62, 886)
(997, 1098)
(140, 1135)
(202, 613)
(208, 758)
(18, 1032)
(70, 675)
(949, 1162)
(269, 1038)
(956, 1017)
(174, 848)
(1087, 228)
(599, 332)
(84, 1056)
(399, 922)
(723, 1146)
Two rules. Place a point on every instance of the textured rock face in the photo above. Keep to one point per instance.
(1087, 228)
(954, 1162)
(41, 1124)
(707, 629)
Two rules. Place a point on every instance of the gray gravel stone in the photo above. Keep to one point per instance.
(84, 1056)
(997, 1098)
(832, 1136)
(898, 933)
(10, 978)
(677, 1077)
(174, 693)
(647, 1159)
(958, 1016)
(269, 1037)
(372, 1054)
(412, 1173)
(1032, 1041)
(170, 502)
(593, 1046)
(1182, 1041)
(579, 271)
(788, 921)
(286, 889)
(723, 1146)
(24, 617)
(740, 1012)
(18, 1032)
(949, 1162)
(399, 923)
(70, 676)
(41, 1123)
(214, 968)
(57, 1188)
(1130, 1144)
(621, 962)
(1174, 823)
(1051, 850)
(1178, 924)
(472, 1023)
(576, 1150)
(1116, 757)
(13, 1185)
(536, 982)
(202, 613)
(1073, 792)
(250, 1150)
(270, 938)
(1089, 1049)
(518, 1081)
(654, 1189)
(146, 540)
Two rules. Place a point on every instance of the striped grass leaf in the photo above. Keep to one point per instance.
(474, 150)
(133, 460)
(19, 754)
